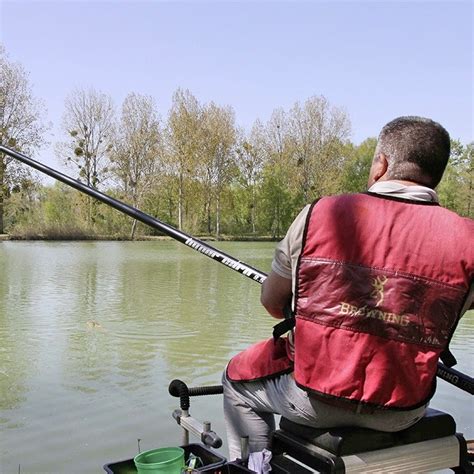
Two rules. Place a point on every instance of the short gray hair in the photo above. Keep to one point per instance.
(417, 149)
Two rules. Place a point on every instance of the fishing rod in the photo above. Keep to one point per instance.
(172, 232)
(450, 375)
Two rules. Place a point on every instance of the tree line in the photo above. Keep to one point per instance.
(195, 169)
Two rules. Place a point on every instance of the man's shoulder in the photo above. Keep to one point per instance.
(341, 198)
(458, 220)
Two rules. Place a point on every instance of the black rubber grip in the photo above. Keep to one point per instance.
(208, 390)
(178, 388)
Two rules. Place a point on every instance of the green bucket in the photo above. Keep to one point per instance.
(160, 461)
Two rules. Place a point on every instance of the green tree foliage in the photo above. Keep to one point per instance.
(183, 139)
(59, 206)
(278, 174)
(21, 127)
(250, 160)
(22, 210)
(277, 201)
(456, 189)
(136, 154)
(468, 181)
(358, 160)
(217, 165)
(197, 171)
(47, 211)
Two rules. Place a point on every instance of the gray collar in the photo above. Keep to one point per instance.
(395, 189)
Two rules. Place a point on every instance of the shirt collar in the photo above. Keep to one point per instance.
(396, 189)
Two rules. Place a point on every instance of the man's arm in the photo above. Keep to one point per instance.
(277, 289)
(276, 294)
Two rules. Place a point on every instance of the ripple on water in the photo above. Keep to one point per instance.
(153, 337)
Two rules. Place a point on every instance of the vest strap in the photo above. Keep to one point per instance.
(283, 327)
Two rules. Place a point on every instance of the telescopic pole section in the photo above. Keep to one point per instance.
(172, 232)
(454, 377)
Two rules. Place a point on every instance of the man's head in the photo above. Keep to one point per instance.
(413, 149)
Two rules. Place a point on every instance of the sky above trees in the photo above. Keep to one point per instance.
(378, 60)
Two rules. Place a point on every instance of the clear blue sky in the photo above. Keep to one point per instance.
(377, 59)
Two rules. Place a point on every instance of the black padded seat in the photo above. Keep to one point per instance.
(350, 440)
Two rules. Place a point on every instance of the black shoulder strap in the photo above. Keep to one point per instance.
(283, 326)
(287, 324)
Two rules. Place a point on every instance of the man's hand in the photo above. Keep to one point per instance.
(276, 293)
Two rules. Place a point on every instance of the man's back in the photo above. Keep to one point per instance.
(380, 285)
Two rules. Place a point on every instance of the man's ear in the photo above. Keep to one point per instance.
(378, 170)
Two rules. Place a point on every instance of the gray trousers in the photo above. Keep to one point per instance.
(249, 409)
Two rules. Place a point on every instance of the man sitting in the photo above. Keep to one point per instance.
(377, 282)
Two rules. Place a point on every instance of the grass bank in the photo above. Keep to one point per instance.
(81, 234)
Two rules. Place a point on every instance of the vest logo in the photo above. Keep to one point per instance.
(378, 284)
(367, 312)
(373, 311)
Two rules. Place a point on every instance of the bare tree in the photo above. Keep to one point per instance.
(21, 125)
(318, 130)
(137, 148)
(88, 121)
(303, 157)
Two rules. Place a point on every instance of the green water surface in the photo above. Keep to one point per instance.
(91, 334)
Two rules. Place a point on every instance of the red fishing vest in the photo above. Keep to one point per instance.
(380, 285)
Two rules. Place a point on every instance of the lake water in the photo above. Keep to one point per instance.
(91, 334)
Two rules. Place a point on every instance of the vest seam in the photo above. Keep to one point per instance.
(263, 377)
(322, 395)
(386, 269)
(410, 341)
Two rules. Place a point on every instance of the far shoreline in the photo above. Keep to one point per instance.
(123, 238)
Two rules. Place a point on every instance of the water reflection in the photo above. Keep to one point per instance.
(92, 333)
(16, 334)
